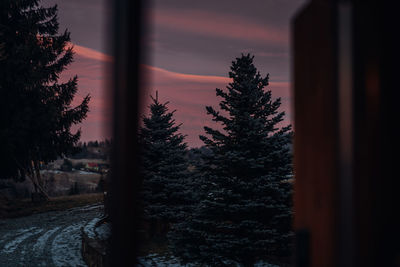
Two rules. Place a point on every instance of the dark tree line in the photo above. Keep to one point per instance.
(35, 108)
(92, 150)
(239, 206)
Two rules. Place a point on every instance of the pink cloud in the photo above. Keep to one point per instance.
(166, 77)
(187, 93)
(90, 53)
(185, 77)
(89, 65)
(217, 25)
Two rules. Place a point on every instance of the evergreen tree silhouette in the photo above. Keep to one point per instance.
(246, 214)
(36, 109)
(164, 167)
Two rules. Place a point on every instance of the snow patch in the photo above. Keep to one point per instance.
(160, 261)
(264, 264)
(87, 207)
(41, 242)
(103, 231)
(4, 237)
(66, 247)
(169, 260)
(89, 228)
(12, 245)
(51, 171)
(86, 173)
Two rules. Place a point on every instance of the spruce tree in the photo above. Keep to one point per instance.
(246, 214)
(163, 165)
(35, 108)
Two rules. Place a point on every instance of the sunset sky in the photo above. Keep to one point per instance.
(190, 46)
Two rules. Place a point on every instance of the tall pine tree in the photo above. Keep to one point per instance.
(35, 108)
(246, 214)
(164, 167)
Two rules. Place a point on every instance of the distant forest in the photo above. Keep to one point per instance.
(92, 150)
(101, 150)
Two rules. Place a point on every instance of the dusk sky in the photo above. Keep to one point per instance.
(190, 46)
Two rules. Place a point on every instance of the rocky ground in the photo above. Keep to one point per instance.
(46, 239)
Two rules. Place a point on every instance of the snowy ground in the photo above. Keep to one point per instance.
(171, 261)
(54, 239)
(46, 239)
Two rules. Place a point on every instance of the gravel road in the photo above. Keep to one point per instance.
(46, 239)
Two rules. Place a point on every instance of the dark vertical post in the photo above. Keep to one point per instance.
(125, 180)
(376, 132)
(316, 198)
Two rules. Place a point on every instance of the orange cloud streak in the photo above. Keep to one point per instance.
(90, 53)
(187, 77)
(159, 75)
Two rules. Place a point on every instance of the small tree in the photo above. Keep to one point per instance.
(164, 167)
(36, 111)
(246, 214)
(67, 165)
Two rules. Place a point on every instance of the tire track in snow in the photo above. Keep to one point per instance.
(10, 246)
(65, 251)
(46, 239)
(5, 237)
(40, 244)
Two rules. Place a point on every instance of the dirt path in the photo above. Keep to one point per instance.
(46, 239)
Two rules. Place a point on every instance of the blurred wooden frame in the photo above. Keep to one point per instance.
(346, 54)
